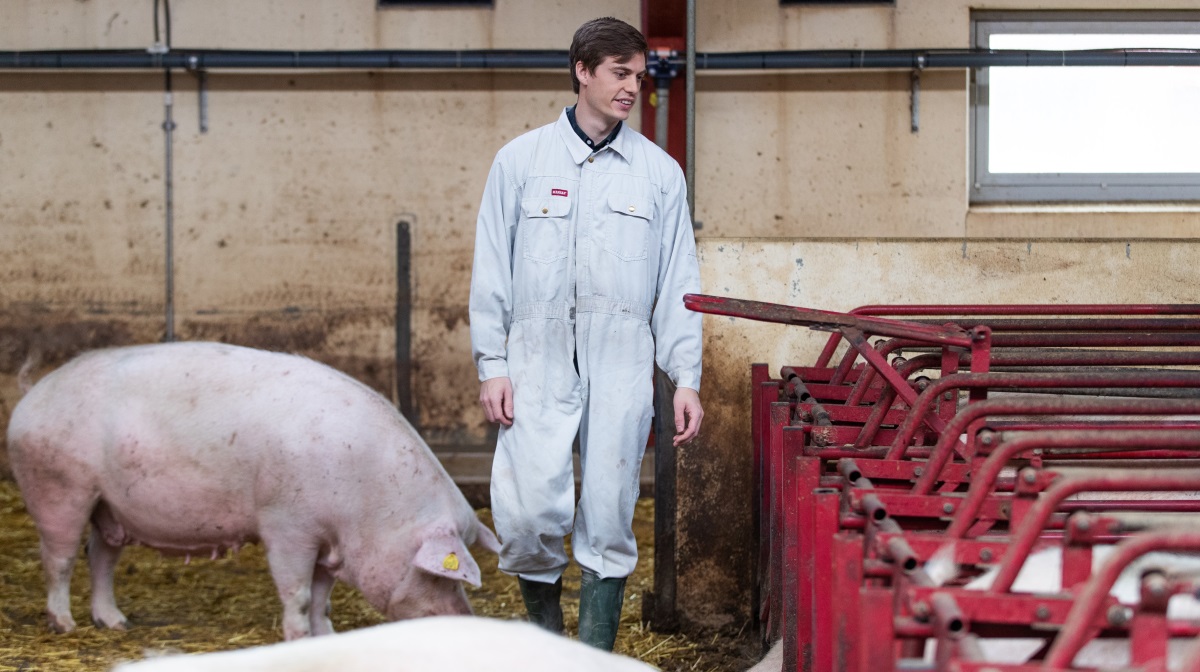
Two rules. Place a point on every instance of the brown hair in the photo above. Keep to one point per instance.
(600, 38)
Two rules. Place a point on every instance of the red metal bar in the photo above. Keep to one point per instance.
(948, 312)
(1148, 631)
(949, 439)
(983, 483)
(825, 518)
(923, 406)
(981, 354)
(780, 413)
(1029, 530)
(876, 649)
(1077, 628)
(948, 309)
(847, 579)
(1058, 323)
(799, 540)
(821, 319)
(901, 387)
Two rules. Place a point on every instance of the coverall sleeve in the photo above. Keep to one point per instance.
(677, 331)
(491, 301)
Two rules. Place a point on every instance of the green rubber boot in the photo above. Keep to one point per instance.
(542, 603)
(600, 610)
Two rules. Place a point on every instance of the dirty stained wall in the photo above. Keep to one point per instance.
(286, 210)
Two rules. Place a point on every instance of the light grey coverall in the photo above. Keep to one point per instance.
(579, 257)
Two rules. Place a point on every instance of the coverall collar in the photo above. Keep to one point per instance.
(579, 149)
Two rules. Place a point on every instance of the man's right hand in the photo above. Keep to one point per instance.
(496, 396)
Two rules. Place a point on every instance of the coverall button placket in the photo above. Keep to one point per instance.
(584, 226)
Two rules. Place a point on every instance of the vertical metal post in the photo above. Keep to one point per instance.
(825, 524)
(661, 603)
(403, 384)
(761, 396)
(169, 132)
(915, 94)
(689, 169)
(661, 108)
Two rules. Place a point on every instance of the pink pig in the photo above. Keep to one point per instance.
(195, 448)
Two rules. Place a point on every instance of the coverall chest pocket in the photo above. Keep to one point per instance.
(546, 228)
(626, 224)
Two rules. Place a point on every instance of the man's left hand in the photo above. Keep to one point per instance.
(688, 414)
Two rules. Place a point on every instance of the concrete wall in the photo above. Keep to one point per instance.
(286, 210)
(824, 153)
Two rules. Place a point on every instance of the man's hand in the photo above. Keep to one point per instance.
(688, 415)
(496, 396)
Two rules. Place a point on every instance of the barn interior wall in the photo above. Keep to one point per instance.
(286, 209)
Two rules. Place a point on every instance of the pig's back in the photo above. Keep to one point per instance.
(438, 644)
(205, 431)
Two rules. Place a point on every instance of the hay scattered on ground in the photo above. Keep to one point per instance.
(230, 603)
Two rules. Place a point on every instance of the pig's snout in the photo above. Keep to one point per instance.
(439, 597)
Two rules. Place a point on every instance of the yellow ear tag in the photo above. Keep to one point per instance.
(450, 562)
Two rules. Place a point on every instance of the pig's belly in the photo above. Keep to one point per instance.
(178, 491)
(185, 519)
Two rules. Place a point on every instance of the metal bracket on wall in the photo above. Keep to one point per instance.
(201, 90)
(915, 93)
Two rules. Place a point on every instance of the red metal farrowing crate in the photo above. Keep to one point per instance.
(867, 469)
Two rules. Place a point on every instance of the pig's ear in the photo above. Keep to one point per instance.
(445, 555)
(485, 538)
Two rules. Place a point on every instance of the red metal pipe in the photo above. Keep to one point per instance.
(1031, 527)
(949, 438)
(1076, 630)
(921, 409)
(984, 480)
(822, 319)
(949, 309)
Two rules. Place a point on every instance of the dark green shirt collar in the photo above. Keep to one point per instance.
(596, 146)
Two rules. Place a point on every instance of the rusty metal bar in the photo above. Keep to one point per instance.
(821, 319)
(1027, 533)
(921, 409)
(983, 482)
(949, 439)
(1077, 628)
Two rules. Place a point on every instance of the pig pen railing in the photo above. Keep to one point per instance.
(965, 439)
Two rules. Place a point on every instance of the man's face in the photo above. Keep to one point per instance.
(611, 91)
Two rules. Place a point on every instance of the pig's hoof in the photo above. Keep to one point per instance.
(116, 624)
(61, 624)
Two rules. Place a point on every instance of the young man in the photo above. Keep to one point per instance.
(583, 253)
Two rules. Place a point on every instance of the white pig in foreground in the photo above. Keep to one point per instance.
(443, 644)
(195, 448)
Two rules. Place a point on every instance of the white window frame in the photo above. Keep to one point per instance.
(988, 187)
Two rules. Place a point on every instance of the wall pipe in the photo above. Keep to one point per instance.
(689, 168)
(926, 59)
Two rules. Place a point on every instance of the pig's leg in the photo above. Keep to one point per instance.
(58, 563)
(322, 587)
(60, 516)
(292, 566)
(102, 562)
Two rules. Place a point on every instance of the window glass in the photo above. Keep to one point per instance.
(1086, 132)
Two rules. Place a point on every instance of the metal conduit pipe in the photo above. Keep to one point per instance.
(689, 150)
(208, 59)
